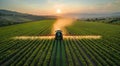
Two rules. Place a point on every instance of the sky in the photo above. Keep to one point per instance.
(49, 7)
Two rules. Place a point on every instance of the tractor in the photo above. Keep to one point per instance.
(58, 35)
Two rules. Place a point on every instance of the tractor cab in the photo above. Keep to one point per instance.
(58, 35)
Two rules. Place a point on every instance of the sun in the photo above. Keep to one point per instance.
(58, 11)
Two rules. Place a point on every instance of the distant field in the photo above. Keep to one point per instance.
(69, 52)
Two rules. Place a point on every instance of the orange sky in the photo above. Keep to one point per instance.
(49, 7)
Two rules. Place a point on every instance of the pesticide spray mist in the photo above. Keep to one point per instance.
(61, 23)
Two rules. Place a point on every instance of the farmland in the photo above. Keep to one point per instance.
(68, 52)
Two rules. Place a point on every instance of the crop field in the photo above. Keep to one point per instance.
(104, 51)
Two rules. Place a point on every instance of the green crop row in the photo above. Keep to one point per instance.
(67, 52)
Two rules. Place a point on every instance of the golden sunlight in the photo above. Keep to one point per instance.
(58, 11)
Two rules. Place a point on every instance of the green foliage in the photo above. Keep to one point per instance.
(68, 52)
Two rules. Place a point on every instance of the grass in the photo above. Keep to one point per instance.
(69, 52)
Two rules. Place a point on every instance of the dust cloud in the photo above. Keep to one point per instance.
(61, 23)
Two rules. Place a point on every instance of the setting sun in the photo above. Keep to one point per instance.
(58, 11)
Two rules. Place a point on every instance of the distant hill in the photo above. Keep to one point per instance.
(8, 17)
(10, 12)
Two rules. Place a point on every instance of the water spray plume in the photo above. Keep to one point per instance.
(61, 23)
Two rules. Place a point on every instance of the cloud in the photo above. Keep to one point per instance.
(113, 6)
